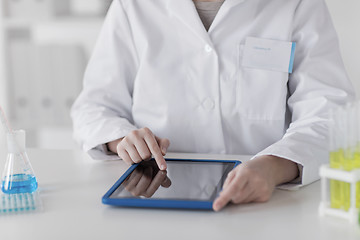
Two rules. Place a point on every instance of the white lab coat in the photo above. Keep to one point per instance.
(155, 66)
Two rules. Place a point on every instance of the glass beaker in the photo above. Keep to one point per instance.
(18, 175)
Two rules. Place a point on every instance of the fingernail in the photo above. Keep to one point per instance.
(163, 167)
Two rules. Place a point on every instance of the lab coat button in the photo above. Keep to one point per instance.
(208, 49)
(208, 104)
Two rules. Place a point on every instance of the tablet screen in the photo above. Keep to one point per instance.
(183, 180)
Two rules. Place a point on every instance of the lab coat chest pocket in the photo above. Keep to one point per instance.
(261, 93)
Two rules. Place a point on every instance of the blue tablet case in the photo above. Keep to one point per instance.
(159, 203)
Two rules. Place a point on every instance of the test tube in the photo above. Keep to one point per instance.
(332, 140)
(357, 151)
(348, 157)
(335, 157)
(350, 137)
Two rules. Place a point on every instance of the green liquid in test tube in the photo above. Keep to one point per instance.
(335, 185)
(343, 190)
(357, 166)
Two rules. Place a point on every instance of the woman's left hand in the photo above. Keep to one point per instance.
(255, 180)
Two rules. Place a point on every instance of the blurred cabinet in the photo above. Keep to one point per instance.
(26, 9)
(54, 8)
(46, 79)
(44, 48)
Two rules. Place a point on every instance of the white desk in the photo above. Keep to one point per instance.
(72, 186)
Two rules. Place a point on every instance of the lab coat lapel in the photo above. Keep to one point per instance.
(224, 10)
(186, 12)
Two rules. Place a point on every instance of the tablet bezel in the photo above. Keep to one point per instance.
(159, 203)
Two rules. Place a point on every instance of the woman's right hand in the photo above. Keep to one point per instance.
(141, 144)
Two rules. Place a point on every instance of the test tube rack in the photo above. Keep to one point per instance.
(20, 203)
(327, 173)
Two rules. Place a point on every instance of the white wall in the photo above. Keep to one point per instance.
(346, 19)
(2, 92)
(3, 85)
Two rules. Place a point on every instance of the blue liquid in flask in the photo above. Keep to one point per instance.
(20, 183)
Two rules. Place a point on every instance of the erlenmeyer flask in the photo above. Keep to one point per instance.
(18, 175)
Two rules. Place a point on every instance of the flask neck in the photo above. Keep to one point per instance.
(16, 142)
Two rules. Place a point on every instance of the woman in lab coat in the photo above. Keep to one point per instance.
(158, 77)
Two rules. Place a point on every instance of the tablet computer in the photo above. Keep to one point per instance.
(186, 184)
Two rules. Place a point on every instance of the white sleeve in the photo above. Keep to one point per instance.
(102, 112)
(319, 82)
